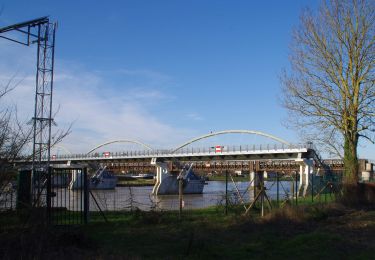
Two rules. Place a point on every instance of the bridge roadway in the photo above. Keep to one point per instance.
(268, 152)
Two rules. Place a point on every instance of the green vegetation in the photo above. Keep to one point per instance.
(136, 182)
(304, 232)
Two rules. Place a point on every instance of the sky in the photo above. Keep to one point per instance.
(160, 72)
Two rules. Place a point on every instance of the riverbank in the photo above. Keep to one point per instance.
(313, 232)
(135, 182)
(243, 178)
(129, 182)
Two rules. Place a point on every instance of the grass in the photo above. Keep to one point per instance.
(290, 233)
(310, 231)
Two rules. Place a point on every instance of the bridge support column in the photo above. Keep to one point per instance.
(161, 171)
(305, 175)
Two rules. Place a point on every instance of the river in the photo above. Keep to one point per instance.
(125, 198)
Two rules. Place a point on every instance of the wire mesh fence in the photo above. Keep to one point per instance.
(215, 194)
(8, 199)
(68, 196)
(235, 195)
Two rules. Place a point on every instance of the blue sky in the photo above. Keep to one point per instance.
(162, 71)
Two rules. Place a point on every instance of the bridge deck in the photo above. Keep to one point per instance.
(228, 153)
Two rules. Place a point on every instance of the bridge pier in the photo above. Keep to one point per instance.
(306, 170)
(161, 174)
(167, 183)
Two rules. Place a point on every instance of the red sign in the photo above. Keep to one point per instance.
(218, 149)
(106, 154)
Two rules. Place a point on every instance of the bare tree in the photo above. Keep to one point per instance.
(15, 136)
(330, 90)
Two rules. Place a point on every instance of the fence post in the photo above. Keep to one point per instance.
(296, 190)
(292, 190)
(226, 192)
(262, 196)
(48, 197)
(277, 188)
(180, 191)
(325, 193)
(85, 196)
(312, 187)
(11, 200)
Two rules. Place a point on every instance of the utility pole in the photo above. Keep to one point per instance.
(41, 32)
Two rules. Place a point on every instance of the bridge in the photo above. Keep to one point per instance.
(299, 160)
(283, 151)
(283, 157)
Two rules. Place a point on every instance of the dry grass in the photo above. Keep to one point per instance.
(304, 213)
(357, 196)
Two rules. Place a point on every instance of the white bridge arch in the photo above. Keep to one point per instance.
(120, 141)
(231, 132)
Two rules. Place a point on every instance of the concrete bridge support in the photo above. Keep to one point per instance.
(167, 183)
(161, 174)
(305, 175)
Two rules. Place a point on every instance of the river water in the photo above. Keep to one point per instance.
(125, 198)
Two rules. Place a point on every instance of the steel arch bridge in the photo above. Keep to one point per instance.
(148, 147)
(252, 132)
(120, 141)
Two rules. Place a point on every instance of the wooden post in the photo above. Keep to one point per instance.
(262, 197)
(292, 189)
(277, 188)
(226, 192)
(180, 194)
(86, 200)
(312, 187)
(296, 189)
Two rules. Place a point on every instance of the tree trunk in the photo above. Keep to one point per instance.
(350, 161)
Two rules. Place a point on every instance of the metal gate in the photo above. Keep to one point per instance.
(67, 195)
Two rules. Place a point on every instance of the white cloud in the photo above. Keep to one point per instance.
(101, 109)
(103, 112)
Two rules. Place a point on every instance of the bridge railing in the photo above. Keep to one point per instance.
(214, 150)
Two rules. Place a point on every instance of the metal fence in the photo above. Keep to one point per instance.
(58, 195)
(8, 199)
(68, 196)
(70, 199)
(225, 194)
